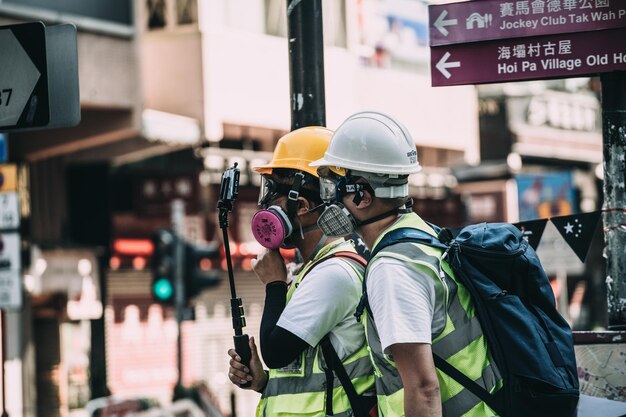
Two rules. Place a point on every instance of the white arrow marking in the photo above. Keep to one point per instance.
(443, 66)
(441, 24)
(17, 73)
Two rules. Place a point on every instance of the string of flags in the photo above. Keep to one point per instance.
(576, 229)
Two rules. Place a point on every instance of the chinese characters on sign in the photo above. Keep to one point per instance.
(496, 19)
(496, 40)
(551, 56)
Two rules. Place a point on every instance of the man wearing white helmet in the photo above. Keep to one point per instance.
(416, 305)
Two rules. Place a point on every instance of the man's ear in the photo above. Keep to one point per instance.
(303, 206)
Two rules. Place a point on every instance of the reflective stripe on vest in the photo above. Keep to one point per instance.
(300, 388)
(461, 343)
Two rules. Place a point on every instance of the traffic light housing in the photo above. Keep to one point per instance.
(163, 265)
(202, 268)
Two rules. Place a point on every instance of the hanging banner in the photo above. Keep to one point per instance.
(577, 230)
(532, 231)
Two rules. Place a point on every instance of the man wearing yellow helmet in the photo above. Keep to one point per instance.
(308, 324)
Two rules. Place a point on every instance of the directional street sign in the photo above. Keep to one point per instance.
(10, 277)
(38, 77)
(8, 177)
(473, 21)
(3, 147)
(23, 76)
(10, 253)
(10, 290)
(475, 42)
(540, 57)
(9, 211)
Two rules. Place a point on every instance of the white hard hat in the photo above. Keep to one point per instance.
(374, 143)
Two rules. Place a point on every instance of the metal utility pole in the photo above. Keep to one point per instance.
(614, 134)
(178, 219)
(3, 317)
(97, 354)
(306, 63)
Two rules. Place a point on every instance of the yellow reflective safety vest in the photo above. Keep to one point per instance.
(461, 342)
(299, 389)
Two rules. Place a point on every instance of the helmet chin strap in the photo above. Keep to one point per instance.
(303, 230)
(313, 226)
(320, 243)
(307, 229)
(316, 208)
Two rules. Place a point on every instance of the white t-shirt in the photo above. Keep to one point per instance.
(403, 301)
(325, 302)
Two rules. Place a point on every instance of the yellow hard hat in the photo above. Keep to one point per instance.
(297, 149)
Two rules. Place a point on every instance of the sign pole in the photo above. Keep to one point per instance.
(178, 217)
(613, 132)
(306, 63)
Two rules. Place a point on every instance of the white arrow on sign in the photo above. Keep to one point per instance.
(18, 77)
(443, 65)
(441, 24)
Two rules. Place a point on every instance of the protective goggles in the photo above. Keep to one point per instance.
(271, 190)
(334, 187)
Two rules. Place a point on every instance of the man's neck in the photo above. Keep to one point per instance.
(309, 245)
(371, 232)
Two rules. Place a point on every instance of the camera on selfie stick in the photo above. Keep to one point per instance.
(228, 192)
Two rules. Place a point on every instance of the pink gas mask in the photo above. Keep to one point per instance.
(272, 227)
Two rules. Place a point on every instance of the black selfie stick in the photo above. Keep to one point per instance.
(228, 193)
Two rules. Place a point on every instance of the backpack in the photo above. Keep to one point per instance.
(529, 340)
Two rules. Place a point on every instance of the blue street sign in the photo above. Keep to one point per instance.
(3, 147)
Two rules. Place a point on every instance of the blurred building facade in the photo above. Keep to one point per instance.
(52, 364)
(56, 341)
(541, 157)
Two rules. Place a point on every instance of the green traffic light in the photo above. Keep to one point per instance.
(163, 289)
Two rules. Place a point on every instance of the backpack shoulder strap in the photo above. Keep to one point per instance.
(409, 234)
(402, 234)
(353, 256)
(334, 364)
(491, 400)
